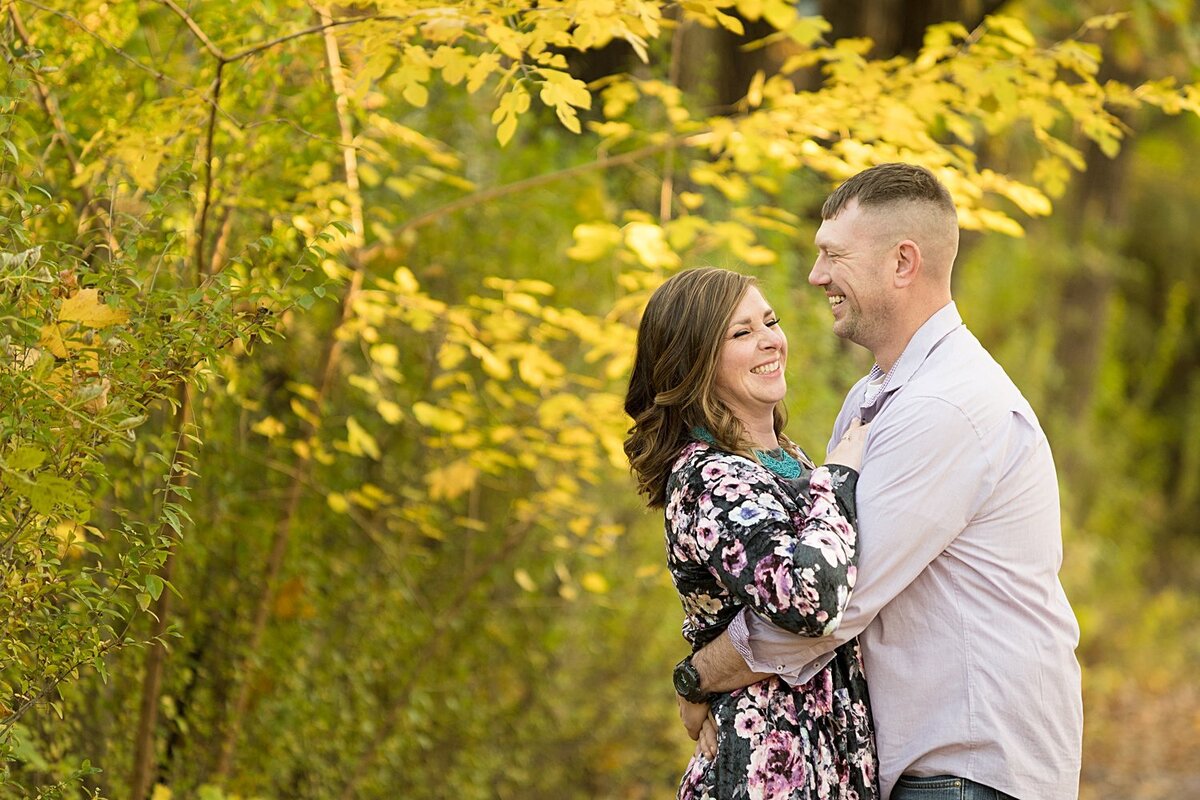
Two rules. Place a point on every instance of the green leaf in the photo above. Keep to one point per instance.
(25, 458)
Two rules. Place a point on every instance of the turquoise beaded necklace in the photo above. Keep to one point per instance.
(779, 461)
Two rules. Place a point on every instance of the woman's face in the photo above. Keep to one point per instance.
(749, 378)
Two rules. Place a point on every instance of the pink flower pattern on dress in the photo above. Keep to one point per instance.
(740, 536)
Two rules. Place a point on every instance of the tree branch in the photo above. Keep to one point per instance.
(496, 192)
(322, 28)
(206, 204)
(196, 30)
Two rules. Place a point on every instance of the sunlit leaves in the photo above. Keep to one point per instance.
(514, 103)
(649, 244)
(564, 94)
(461, 447)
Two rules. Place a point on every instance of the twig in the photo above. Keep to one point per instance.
(196, 30)
(202, 221)
(487, 195)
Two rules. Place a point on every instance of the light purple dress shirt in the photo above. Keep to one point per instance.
(967, 636)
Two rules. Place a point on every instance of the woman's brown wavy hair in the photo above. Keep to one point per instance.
(672, 389)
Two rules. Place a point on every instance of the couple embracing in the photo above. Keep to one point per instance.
(921, 560)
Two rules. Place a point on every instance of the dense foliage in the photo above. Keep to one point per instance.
(316, 321)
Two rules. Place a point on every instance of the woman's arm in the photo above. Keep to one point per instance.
(798, 573)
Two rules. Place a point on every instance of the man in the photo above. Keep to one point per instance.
(967, 636)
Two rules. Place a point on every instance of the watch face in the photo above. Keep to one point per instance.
(685, 679)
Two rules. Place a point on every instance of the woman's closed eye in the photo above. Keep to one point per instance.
(771, 323)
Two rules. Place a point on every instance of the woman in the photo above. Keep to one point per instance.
(750, 523)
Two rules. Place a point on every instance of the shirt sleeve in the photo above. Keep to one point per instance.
(797, 572)
(925, 474)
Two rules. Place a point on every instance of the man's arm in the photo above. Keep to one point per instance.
(722, 669)
(923, 478)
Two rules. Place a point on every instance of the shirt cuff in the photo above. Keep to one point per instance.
(739, 636)
(768, 649)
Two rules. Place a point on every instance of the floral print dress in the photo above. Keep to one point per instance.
(739, 535)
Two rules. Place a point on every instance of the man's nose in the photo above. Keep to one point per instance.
(817, 276)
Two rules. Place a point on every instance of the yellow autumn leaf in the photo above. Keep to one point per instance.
(337, 501)
(594, 582)
(444, 420)
(360, 441)
(386, 354)
(391, 412)
(452, 480)
(506, 129)
(161, 793)
(1028, 199)
(593, 241)
(524, 580)
(52, 340)
(561, 87)
(492, 364)
(650, 245)
(70, 536)
(86, 308)
(568, 117)
(142, 163)
(269, 427)
(536, 365)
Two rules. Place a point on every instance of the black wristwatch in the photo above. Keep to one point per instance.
(687, 682)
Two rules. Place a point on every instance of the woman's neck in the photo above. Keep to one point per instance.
(762, 434)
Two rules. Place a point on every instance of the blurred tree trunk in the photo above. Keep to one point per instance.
(1093, 212)
(898, 26)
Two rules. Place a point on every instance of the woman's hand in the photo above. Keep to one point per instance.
(706, 745)
(693, 716)
(849, 450)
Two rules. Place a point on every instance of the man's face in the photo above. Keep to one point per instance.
(853, 267)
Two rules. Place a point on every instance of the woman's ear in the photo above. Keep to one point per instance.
(908, 264)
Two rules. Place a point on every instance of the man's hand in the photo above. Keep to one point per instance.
(693, 716)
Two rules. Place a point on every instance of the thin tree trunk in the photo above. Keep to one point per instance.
(327, 371)
(156, 655)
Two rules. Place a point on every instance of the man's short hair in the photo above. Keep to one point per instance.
(887, 184)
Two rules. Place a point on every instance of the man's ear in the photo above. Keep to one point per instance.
(908, 264)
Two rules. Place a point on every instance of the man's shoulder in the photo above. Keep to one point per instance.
(961, 365)
(961, 374)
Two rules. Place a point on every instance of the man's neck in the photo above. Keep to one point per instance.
(889, 352)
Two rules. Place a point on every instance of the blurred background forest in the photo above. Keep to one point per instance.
(316, 323)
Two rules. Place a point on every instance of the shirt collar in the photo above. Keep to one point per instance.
(927, 337)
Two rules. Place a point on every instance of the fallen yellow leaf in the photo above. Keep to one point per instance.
(86, 308)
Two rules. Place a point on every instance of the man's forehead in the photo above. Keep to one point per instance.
(837, 227)
(852, 222)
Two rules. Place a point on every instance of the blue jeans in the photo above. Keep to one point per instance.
(944, 787)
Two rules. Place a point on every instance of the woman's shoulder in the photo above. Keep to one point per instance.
(698, 453)
(702, 462)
